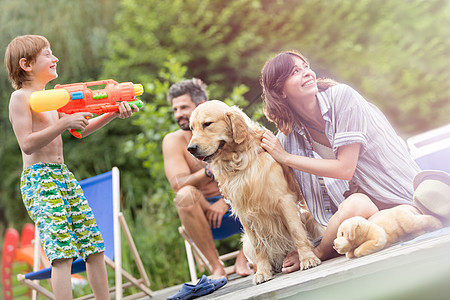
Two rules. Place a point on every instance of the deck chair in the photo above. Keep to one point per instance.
(230, 226)
(431, 149)
(103, 194)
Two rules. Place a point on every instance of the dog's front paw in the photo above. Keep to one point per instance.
(370, 246)
(360, 253)
(261, 277)
(350, 254)
(309, 262)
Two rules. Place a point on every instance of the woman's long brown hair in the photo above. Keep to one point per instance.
(273, 76)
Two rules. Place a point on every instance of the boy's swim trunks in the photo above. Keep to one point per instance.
(55, 202)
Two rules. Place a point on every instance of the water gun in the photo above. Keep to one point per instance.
(78, 97)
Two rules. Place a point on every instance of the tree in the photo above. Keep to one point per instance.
(382, 48)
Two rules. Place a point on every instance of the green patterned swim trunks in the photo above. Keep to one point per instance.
(56, 203)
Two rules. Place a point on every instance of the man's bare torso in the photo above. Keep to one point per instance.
(209, 189)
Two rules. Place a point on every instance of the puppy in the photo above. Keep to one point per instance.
(264, 195)
(357, 236)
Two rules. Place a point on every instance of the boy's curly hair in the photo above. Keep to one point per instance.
(27, 47)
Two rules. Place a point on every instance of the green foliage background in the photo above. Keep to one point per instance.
(396, 53)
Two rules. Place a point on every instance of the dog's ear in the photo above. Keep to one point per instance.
(239, 127)
(351, 231)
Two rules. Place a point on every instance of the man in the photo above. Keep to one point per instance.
(199, 202)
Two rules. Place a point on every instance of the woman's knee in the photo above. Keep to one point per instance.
(357, 205)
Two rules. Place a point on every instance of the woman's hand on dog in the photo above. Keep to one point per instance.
(271, 144)
(215, 213)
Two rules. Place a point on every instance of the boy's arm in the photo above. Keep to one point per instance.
(176, 167)
(21, 118)
(96, 123)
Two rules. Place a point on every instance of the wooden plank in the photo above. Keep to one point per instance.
(399, 268)
(419, 269)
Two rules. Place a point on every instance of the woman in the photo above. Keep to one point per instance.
(347, 158)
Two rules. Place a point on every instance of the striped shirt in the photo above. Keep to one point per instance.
(385, 169)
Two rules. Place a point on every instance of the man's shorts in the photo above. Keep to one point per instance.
(214, 199)
(56, 203)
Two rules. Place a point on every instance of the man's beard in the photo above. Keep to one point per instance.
(184, 126)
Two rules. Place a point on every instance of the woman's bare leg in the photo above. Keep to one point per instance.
(355, 205)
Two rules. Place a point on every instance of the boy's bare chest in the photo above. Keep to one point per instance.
(43, 120)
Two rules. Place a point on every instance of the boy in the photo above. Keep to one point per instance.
(51, 194)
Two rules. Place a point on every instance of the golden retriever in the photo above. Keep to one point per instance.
(357, 236)
(263, 194)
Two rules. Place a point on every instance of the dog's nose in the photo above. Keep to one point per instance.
(193, 149)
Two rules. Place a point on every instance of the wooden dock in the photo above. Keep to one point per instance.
(417, 269)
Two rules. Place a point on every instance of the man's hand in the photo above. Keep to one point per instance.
(215, 213)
